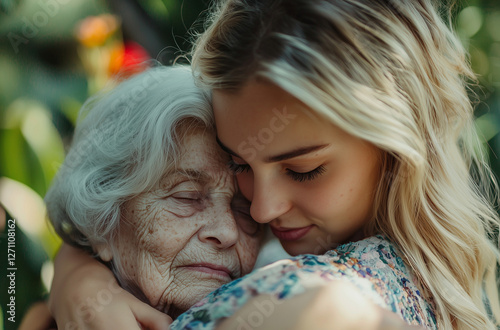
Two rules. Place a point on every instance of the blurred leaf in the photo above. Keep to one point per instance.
(493, 25)
(70, 108)
(157, 8)
(33, 141)
(7, 6)
(10, 77)
(19, 162)
(480, 61)
(45, 141)
(48, 20)
(50, 240)
(488, 126)
(470, 21)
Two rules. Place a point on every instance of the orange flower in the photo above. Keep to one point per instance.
(93, 31)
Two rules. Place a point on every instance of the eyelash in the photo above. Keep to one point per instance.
(296, 176)
(308, 176)
(189, 197)
(238, 168)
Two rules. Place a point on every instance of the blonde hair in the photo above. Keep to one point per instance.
(394, 74)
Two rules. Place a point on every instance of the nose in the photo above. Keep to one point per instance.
(220, 229)
(270, 200)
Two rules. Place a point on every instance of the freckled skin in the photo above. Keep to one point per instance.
(337, 203)
(188, 220)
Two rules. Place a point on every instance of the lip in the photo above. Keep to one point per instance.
(290, 234)
(212, 269)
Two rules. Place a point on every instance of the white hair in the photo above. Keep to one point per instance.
(126, 140)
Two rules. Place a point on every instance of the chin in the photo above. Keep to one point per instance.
(193, 296)
(295, 248)
(316, 246)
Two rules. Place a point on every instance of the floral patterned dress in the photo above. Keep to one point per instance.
(372, 265)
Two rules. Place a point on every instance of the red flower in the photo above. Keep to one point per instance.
(128, 59)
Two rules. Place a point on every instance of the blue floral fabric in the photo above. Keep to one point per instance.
(373, 265)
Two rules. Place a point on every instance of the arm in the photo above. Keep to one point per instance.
(86, 295)
(338, 305)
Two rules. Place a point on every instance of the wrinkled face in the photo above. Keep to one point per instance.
(190, 234)
(310, 180)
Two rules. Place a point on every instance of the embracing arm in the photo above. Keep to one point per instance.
(86, 295)
(337, 305)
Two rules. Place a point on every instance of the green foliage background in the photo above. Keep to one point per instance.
(43, 83)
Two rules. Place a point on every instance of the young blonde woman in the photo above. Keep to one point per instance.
(352, 135)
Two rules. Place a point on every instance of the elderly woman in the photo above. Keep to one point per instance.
(145, 189)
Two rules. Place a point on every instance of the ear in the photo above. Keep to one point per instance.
(104, 252)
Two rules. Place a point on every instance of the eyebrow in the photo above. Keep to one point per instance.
(277, 158)
(194, 175)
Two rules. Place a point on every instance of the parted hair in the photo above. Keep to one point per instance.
(393, 73)
(125, 141)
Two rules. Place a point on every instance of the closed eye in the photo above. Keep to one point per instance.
(306, 176)
(238, 168)
(188, 197)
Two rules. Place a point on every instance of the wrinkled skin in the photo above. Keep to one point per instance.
(193, 216)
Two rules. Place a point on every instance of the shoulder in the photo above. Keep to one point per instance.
(372, 265)
(376, 265)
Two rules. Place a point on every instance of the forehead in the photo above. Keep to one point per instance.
(267, 119)
(253, 94)
(200, 150)
(261, 104)
(200, 159)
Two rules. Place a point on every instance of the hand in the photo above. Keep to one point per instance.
(85, 295)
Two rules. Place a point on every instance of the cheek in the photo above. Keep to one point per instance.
(157, 255)
(365, 181)
(128, 257)
(327, 195)
(162, 235)
(346, 198)
(248, 249)
(171, 237)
